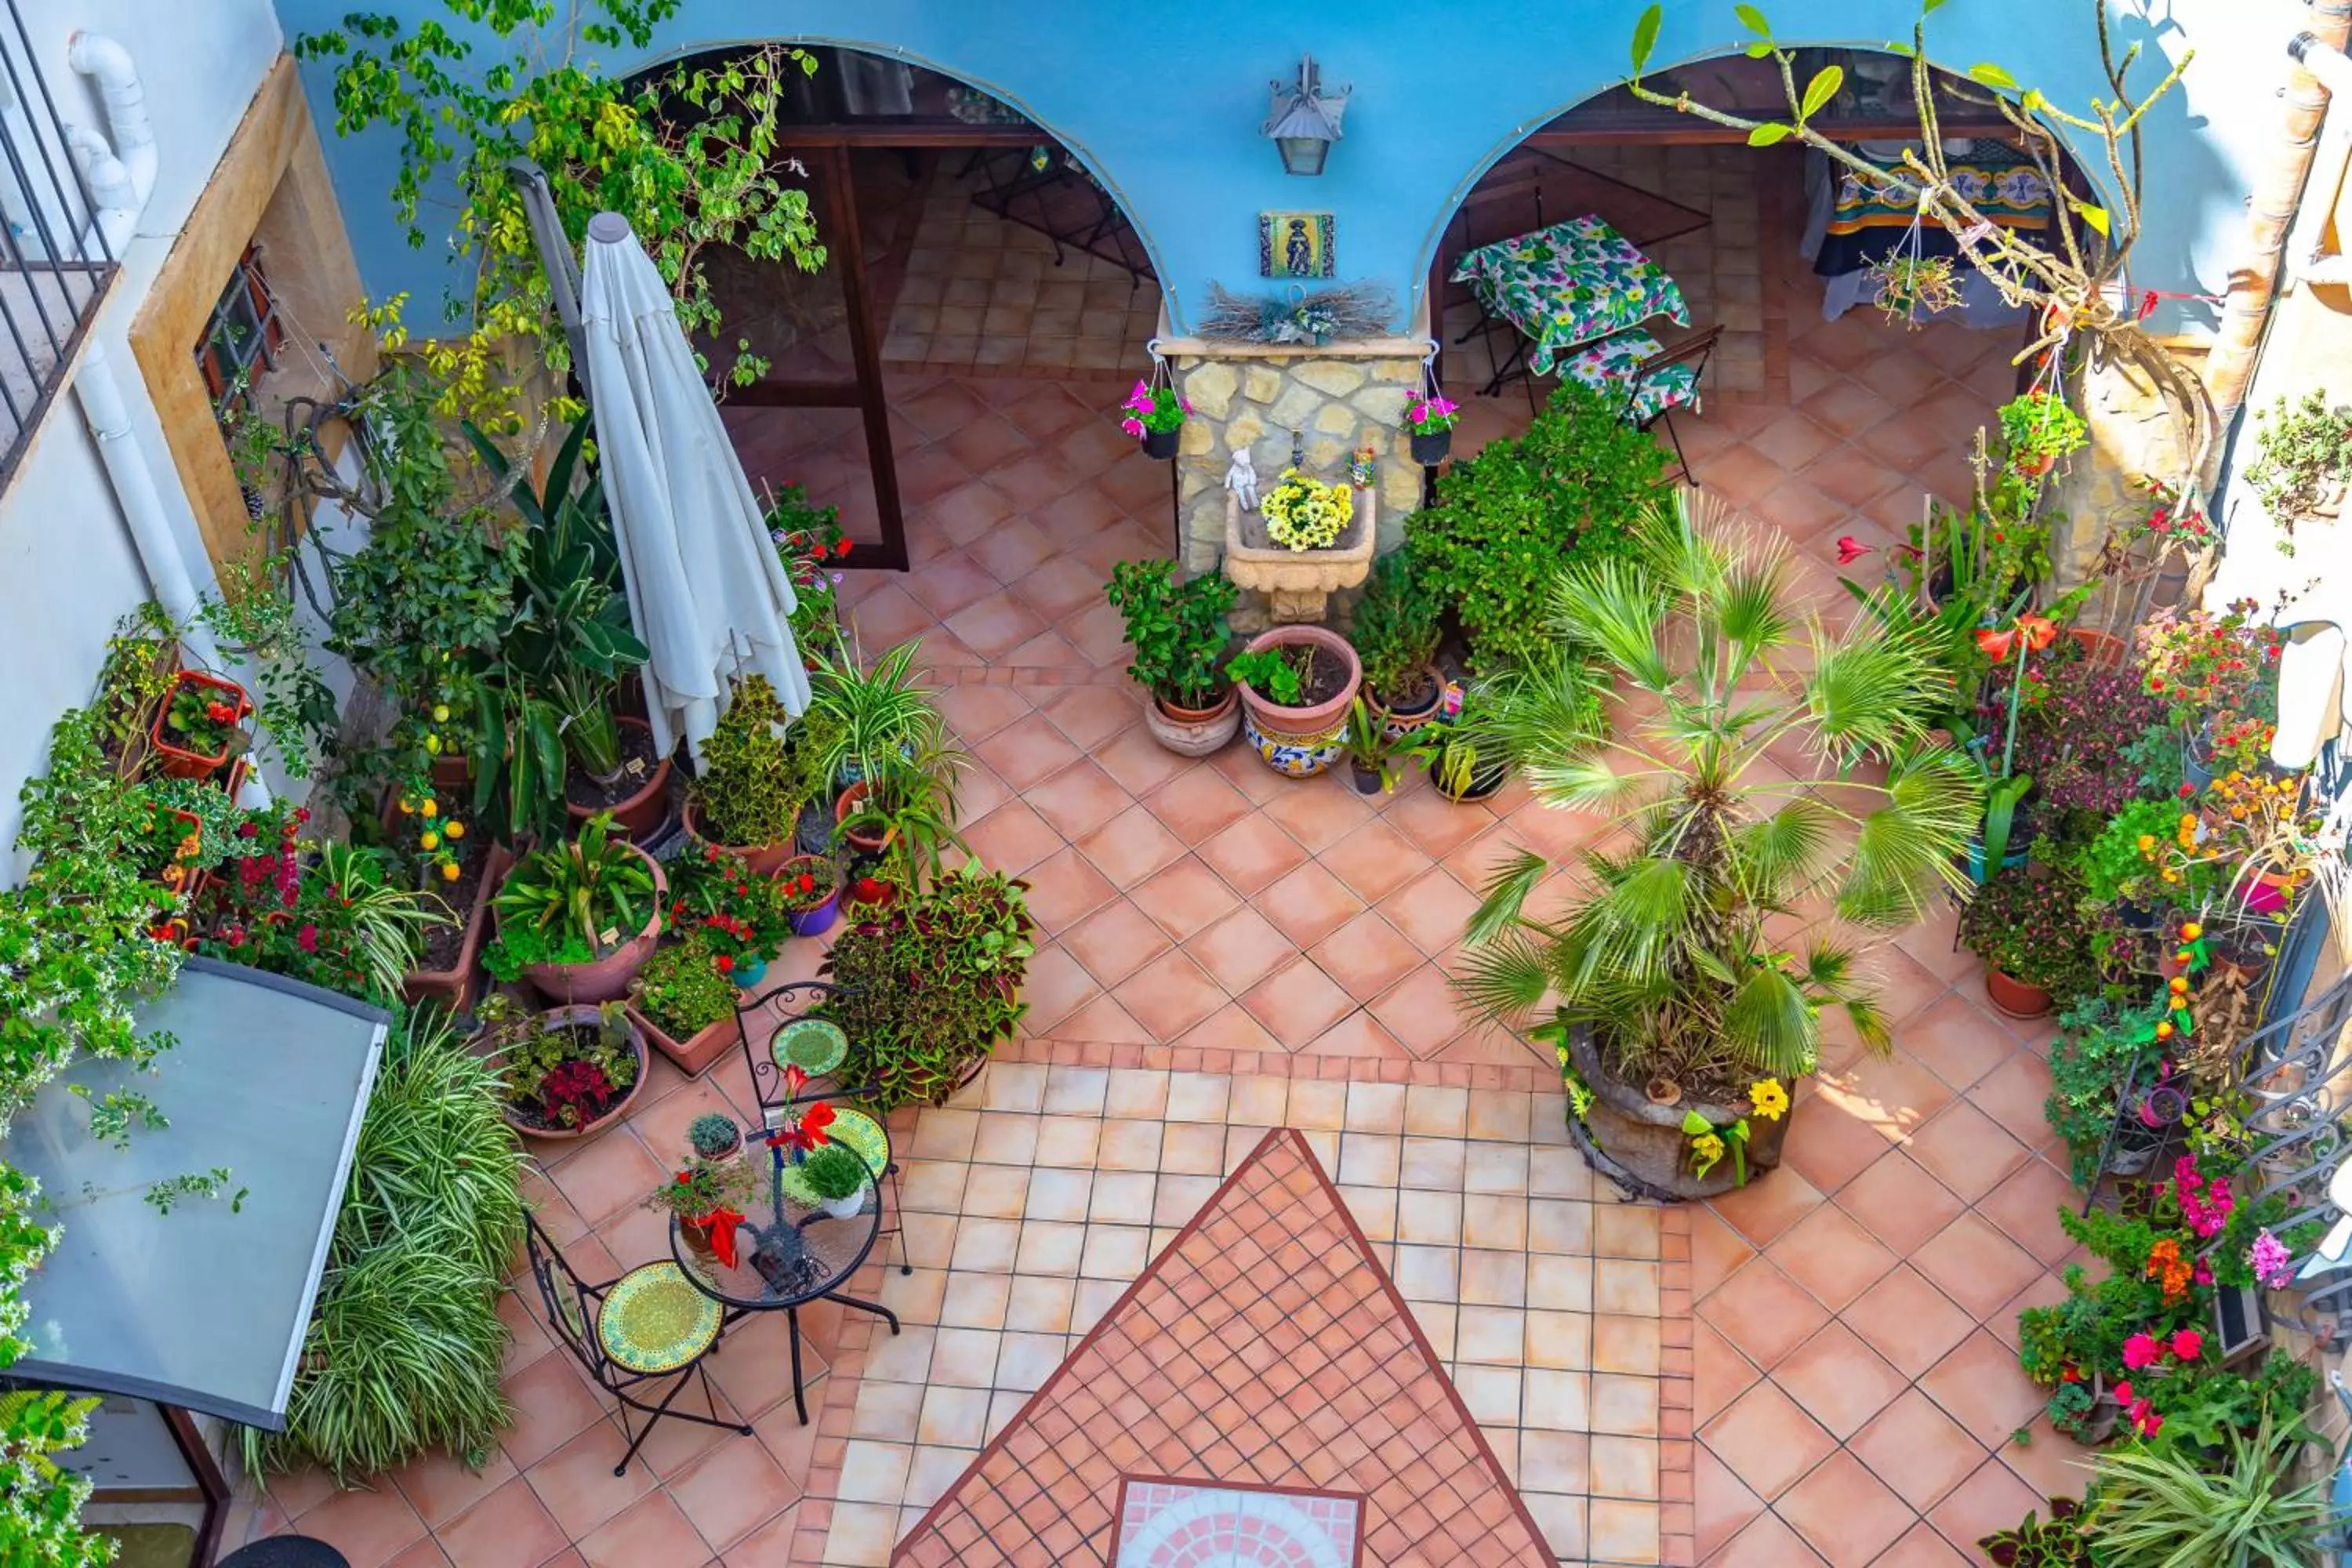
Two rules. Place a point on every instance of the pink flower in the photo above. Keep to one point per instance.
(2123, 1393)
(307, 939)
(1850, 550)
(1133, 427)
(2187, 1344)
(2204, 1272)
(2141, 1350)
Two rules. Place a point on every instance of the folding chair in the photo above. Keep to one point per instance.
(1671, 376)
(649, 1324)
(767, 1052)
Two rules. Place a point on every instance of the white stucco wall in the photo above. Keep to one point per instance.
(68, 573)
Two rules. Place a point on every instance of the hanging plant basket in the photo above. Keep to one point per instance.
(1160, 445)
(1431, 449)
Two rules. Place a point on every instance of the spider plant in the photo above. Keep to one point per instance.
(2162, 1507)
(404, 1348)
(910, 801)
(388, 923)
(868, 717)
(1663, 950)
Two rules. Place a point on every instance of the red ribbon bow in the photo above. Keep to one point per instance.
(719, 1225)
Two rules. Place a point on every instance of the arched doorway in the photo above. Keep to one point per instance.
(982, 291)
(1816, 412)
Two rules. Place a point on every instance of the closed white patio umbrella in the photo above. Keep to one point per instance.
(709, 595)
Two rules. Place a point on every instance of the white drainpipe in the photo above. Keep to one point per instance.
(121, 175)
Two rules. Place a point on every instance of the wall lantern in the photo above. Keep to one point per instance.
(1303, 122)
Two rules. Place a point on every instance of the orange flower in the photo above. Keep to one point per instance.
(2039, 631)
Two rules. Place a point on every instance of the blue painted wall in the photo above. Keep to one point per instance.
(1164, 102)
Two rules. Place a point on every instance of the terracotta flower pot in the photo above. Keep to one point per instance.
(454, 987)
(557, 1017)
(762, 859)
(851, 800)
(1194, 732)
(1300, 742)
(696, 1051)
(642, 813)
(177, 762)
(2014, 996)
(606, 977)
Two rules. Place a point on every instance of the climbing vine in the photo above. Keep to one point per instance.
(688, 155)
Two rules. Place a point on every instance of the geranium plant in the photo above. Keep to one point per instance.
(1302, 513)
(1150, 409)
(1428, 413)
(737, 914)
(682, 989)
(2037, 428)
(205, 719)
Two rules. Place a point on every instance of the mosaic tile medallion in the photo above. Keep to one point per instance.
(1179, 1524)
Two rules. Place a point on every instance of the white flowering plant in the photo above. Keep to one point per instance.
(1303, 514)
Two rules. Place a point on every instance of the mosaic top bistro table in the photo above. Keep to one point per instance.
(1568, 285)
(793, 1247)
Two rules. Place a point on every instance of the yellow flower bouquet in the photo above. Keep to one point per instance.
(1302, 513)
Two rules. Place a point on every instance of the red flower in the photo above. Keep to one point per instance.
(722, 963)
(247, 830)
(307, 939)
(2187, 1344)
(1850, 550)
(842, 549)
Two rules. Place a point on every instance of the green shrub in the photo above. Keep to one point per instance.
(1395, 631)
(679, 989)
(1507, 519)
(750, 790)
(2098, 1043)
(932, 984)
(834, 1172)
(406, 1346)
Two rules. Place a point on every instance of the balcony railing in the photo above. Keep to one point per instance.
(54, 265)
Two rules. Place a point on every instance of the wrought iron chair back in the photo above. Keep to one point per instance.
(800, 999)
(571, 1302)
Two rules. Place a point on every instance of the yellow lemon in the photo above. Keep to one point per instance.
(407, 807)
(440, 712)
(432, 745)
(428, 841)
(449, 871)
(454, 829)
(431, 808)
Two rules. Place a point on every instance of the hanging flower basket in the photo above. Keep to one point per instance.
(1154, 415)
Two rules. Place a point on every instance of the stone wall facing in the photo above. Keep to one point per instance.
(1339, 396)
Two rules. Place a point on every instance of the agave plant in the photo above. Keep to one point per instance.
(1664, 949)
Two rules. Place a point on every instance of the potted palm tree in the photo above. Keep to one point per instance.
(1680, 1023)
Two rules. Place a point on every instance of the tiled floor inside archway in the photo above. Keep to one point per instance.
(1819, 1373)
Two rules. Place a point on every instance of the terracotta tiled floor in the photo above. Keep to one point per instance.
(1265, 1346)
(1030, 1212)
(1216, 939)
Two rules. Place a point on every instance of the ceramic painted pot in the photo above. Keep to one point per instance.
(1300, 742)
(1402, 722)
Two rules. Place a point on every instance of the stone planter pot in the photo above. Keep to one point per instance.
(1642, 1146)
(557, 1017)
(454, 987)
(606, 978)
(1300, 742)
(762, 859)
(1298, 584)
(2014, 996)
(699, 1051)
(642, 814)
(1194, 732)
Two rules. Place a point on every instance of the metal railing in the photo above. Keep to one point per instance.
(55, 263)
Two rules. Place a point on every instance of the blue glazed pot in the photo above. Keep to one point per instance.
(748, 972)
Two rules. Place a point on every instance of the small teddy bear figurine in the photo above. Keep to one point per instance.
(1241, 478)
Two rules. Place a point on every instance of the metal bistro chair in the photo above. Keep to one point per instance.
(1645, 383)
(648, 1325)
(819, 1048)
